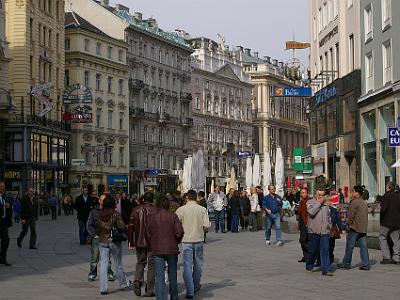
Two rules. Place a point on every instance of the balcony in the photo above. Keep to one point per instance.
(136, 112)
(151, 115)
(18, 119)
(186, 96)
(135, 84)
(187, 122)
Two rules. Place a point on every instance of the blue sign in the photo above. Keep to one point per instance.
(244, 154)
(394, 137)
(292, 92)
(117, 183)
(324, 95)
(153, 171)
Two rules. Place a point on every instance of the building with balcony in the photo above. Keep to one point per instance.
(278, 121)
(379, 106)
(221, 106)
(159, 92)
(335, 64)
(96, 69)
(38, 139)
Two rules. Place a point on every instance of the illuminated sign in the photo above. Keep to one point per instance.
(297, 45)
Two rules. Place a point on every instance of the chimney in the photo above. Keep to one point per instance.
(138, 16)
(275, 62)
(121, 7)
(239, 48)
(281, 65)
(247, 51)
(105, 3)
(256, 54)
(267, 59)
(152, 22)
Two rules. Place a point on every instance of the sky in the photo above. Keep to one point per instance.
(261, 25)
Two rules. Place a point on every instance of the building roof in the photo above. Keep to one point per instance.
(73, 20)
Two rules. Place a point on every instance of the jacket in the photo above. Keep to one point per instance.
(319, 218)
(358, 215)
(272, 203)
(303, 214)
(254, 203)
(164, 233)
(218, 201)
(195, 221)
(92, 219)
(7, 221)
(390, 210)
(103, 229)
(126, 210)
(245, 206)
(137, 225)
(29, 208)
(83, 208)
(234, 204)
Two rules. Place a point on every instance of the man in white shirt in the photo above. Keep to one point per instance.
(195, 221)
(219, 203)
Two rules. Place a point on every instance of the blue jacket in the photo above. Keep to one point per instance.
(272, 203)
(53, 201)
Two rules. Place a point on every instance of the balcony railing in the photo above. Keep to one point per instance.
(186, 96)
(187, 121)
(18, 119)
(136, 112)
(135, 84)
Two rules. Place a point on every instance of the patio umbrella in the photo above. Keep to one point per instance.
(396, 164)
(187, 174)
(279, 171)
(198, 171)
(256, 170)
(212, 187)
(266, 172)
(249, 174)
(232, 184)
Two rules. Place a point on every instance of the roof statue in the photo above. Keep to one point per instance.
(222, 46)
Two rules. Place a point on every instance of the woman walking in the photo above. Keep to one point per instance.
(110, 221)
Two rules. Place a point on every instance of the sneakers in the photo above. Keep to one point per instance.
(327, 274)
(268, 243)
(279, 243)
(111, 277)
(137, 288)
(92, 278)
(364, 268)
(343, 266)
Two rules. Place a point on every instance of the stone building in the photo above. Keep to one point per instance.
(96, 70)
(37, 137)
(221, 109)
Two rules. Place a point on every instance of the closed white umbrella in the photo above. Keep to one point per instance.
(279, 171)
(198, 171)
(249, 174)
(256, 170)
(266, 171)
(187, 174)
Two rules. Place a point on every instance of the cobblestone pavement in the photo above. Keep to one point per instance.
(237, 266)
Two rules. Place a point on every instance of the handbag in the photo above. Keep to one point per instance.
(118, 235)
(335, 232)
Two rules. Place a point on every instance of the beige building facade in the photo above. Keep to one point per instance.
(100, 121)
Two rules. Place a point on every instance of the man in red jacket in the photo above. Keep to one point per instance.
(303, 218)
(136, 237)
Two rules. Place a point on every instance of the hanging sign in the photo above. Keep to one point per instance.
(82, 114)
(77, 93)
(41, 94)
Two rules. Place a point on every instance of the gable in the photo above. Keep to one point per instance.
(227, 71)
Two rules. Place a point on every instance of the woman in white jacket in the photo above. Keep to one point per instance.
(255, 207)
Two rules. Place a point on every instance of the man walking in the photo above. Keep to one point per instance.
(195, 221)
(5, 223)
(390, 225)
(303, 218)
(29, 215)
(319, 227)
(358, 224)
(138, 223)
(53, 206)
(83, 204)
(218, 202)
(272, 206)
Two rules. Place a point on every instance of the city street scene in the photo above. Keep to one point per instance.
(182, 149)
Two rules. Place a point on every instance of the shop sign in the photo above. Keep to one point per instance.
(78, 162)
(297, 45)
(153, 172)
(292, 92)
(242, 154)
(394, 137)
(324, 95)
(82, 114)
(77, 93)
(13, 175)
(298, 159)
(87, 149)
(308, 165)
(117, 182)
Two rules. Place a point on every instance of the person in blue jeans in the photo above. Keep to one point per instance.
(218, 202)
(272, 205)
(358, 224)
(234, 207)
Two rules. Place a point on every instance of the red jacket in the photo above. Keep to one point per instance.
(303, 214)
(138, 223)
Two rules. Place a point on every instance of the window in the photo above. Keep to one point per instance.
(87, 45)
(369, 72)
(197, 101)
(368, 23)
(109, 52)
(121, 121)
(324, 16)
(337, 60)
(121, 156)
(330, 11)
(110, 156)
(86, 78)
(67, 44)
(98, 49)
(133, 132)
(387, 62)
(109, 84)
(197, 82)
(66, 78)
(146, 104)
(98, 117)
(386, 13)
(314, 29)
(50, 38)
(174, 137)
(146, 134)
(160, 56)
(351, 52)
(121, 55)
(207, 85)
(121, 87)
(320, 21)
(58, 9)
(58, 43)
(98, 82)
(208, 104)
(110, 115)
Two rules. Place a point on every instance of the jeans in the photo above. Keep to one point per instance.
(253, 221)
(53, 212)
(219, 220)
(352, 238)
(235, 221)
(192, 266)
(318, 242)
(115, 250)
(143, 258)
(82, 232)
(94, 259)
(276, 219)
(29, 224)
(159, 266)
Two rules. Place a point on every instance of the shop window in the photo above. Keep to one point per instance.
(331, 116)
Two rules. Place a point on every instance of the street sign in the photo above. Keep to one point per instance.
(297, 45)
(393, 137)
(298, 159)
(280, 91)
(242, 154)
(78, 162)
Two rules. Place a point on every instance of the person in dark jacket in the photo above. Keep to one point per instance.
(5, 223)
(245, 209)
(234, 208)
(201, 200)
(163, 235)
(136, 239)
(83, 204)
(126, 208)
(302, 219)
(390, 225)
(259, 214)
(29, 216)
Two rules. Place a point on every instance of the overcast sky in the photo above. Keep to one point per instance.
(261, 25)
